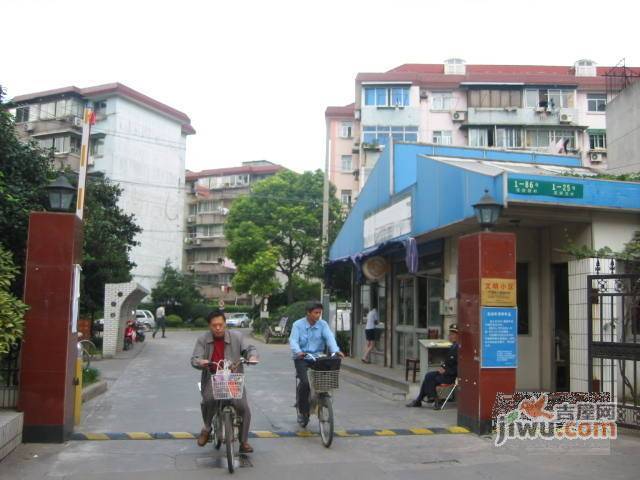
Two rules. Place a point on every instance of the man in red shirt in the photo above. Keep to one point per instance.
(215, 345)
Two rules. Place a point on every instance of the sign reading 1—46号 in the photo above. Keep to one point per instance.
(523, 186)
(499, 337)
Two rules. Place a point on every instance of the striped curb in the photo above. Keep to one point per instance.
(396, 432)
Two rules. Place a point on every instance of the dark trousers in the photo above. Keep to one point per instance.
(430, 382)
(160, 324)
(304, 390)
(209, 408)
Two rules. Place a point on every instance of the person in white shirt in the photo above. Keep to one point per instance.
(372, 333)
(161, 322)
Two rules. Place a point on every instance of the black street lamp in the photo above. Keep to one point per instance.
(60, 194)
(487, 211)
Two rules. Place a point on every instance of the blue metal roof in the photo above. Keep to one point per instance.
(444, 183)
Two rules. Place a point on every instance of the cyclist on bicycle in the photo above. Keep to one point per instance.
(309, 335)
(215, 345)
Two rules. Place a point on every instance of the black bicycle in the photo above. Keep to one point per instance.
(227, 386)
(324, 375)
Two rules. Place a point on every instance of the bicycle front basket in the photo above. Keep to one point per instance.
(324, 381)
(227, 386)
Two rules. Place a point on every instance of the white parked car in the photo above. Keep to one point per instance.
(146, 318)
(240, 320)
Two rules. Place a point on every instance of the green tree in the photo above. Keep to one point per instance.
(12, 310)
(109, 237)
(176, 291)
(24, 172)
(280, 220)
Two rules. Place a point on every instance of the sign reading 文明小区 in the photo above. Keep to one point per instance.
(498, 292)
(545, 188)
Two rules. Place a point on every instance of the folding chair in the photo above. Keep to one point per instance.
(440, 389)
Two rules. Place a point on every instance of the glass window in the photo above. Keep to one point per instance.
(210, 230)
(400, 96)
(346, 163)
(405, 302)
(22, 114)
(596, 102)
(380, 134)
(406, 346)
(48, 111)
(478, 137)
(597, 140)
(441, 101)
(369, 96)
(442, 137)
(531, 98)
(346, 129)
(541, 138)
(381, 97)
(97, 147)
(345, 197)
(430, 293)
(193, 208)
(508, 137)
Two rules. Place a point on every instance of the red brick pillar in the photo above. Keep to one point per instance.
(487, 354)
(48, 349)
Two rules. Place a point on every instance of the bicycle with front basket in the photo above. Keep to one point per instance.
(324, 375)
(227, 386)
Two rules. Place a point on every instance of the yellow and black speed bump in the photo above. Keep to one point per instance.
(396, 432)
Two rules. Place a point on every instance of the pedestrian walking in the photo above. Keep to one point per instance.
(161, 322)
(372, 333)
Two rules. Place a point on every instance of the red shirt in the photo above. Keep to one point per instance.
(218, 351)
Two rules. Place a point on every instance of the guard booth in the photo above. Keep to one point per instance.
(416, 208)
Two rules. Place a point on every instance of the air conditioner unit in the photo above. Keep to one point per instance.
(29, 127)
(187, 241)
(192, 267)
(596, 157)
(356, 114)
(540, 109)
(424, 93)
(77, 122)
(458, 116)
(566, 118)
(190, 219)
(198, 241)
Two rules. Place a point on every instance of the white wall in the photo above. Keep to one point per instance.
(614, 230)
(145, 153)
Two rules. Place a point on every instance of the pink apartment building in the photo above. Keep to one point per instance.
(554, 109)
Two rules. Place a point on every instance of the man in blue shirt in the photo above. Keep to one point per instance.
(309, 335)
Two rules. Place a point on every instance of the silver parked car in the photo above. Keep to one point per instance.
(146, 318)
(240, 320)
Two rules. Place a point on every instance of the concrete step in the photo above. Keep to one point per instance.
(10, 431)
(379, 380)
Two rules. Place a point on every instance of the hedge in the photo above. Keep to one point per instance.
(200, 322)
(174, 321)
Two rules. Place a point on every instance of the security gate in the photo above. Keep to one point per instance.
(614, 341)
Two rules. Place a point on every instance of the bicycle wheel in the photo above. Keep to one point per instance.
(227, 420)
(218, 434)
(325, 416)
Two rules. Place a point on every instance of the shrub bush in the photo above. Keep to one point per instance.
(174, 321)
(344, 342)
(90, 375)
(200, 322)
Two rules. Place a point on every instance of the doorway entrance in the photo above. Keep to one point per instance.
(561, 325)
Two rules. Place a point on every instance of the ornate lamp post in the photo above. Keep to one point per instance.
(487, 211)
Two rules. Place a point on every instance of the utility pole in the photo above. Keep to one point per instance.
(88, 119)
(326, 301)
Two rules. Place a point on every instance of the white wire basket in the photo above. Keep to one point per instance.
(324, 381)
(227, 386)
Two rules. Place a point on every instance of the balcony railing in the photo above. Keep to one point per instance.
(521, 116)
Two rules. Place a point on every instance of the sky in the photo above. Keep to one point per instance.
(256, 76)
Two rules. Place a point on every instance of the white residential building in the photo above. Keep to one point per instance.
(137, 142)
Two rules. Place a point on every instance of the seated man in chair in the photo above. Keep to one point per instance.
(446, 374)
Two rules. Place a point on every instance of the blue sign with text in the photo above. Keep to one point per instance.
(499, 337)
